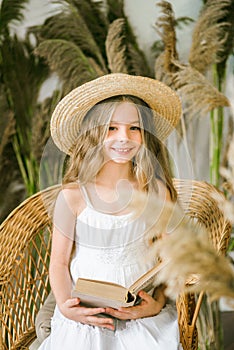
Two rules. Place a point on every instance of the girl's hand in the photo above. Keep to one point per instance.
(148, 307)
(71, 309)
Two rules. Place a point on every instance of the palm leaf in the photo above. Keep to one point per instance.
(23, 75)
(7, 122)
(11, 10)
(68, 61)
(213, 34)
(11, 188)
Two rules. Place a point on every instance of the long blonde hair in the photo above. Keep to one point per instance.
(150, 163)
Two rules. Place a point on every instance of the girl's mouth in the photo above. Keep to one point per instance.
(122, 150)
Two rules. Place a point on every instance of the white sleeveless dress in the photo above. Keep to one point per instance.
(112, 248)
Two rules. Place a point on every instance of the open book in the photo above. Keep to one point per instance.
(106, 294)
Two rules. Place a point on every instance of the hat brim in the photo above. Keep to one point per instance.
(70, 111)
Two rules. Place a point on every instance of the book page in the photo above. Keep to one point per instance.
(102, 294)
(146, 281)
(101, 289)
(96, 301)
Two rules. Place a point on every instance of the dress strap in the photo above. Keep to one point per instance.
(86, 196)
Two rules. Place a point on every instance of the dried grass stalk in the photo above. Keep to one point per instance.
(99, 71)
(167, 23)
(192, 262)
(116, 47)
(69, 25)
(194, 265)
(137, 64)
(68, 61)
(210, 35)
(160, 72)
(164, 65)
(200, 95)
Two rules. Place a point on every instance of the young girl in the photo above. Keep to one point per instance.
(113, 129)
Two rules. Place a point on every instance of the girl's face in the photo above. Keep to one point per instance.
(123, 138)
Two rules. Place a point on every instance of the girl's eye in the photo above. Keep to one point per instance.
(111, 128)
(135, 128)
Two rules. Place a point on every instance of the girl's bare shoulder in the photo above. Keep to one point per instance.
(71, 192)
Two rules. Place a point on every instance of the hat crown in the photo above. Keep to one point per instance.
(70, 111)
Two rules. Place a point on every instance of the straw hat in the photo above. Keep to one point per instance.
(70, 111)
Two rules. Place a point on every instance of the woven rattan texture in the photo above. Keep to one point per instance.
(200, 201)
(25, 239)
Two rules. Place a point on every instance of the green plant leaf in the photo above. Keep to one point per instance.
(11, 10)
(23, 75)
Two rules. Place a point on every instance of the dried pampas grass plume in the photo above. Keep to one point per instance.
(194, 87)
(167, 23)
(161, 73)
(115, 47)
(210, 35)
(192, 264)
(165, 27)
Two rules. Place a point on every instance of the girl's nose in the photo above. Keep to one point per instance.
(123, 134)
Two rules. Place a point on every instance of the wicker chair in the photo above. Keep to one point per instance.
(25, 238)
(200, 202)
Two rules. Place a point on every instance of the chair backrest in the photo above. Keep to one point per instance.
(25, 240)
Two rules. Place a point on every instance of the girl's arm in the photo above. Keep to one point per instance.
(60, 278)
(64, 221)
